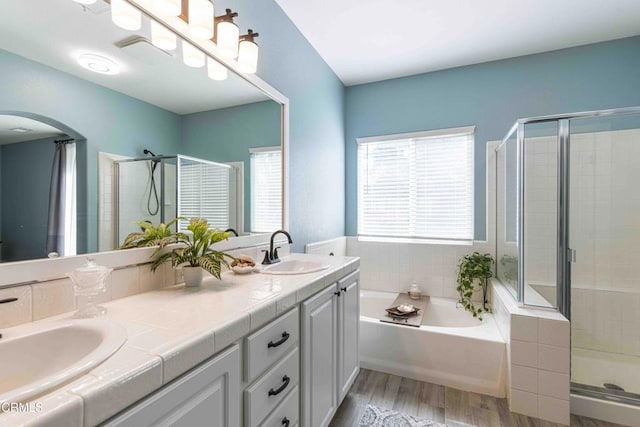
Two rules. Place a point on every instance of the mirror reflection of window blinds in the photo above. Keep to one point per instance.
(204, 193)
(266, 189)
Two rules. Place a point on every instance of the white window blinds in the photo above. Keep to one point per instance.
(204, 192)
(417, 185)
(266, 189)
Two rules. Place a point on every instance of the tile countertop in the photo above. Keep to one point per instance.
(170, 331)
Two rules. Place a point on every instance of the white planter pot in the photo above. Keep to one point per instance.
(192, 276)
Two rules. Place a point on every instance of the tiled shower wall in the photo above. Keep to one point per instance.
(605, 229)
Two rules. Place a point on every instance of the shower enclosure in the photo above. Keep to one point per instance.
(159, 188)
(568, 216)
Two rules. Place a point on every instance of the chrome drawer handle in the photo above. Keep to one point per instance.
(285, 336)
(285, 383)
(285, 422)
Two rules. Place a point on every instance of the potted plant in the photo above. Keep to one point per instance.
(194, 253)
(474, 270)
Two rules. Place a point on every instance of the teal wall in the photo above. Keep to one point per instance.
(491, 96)
(226, 134)
(290, 64)
(109, 120)
(26, 170)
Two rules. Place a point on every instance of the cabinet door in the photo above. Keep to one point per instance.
(205, 396)
(348, 334)
(319, 366)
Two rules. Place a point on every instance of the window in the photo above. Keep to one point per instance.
(417, 185)
(204, 192)
(266, 189)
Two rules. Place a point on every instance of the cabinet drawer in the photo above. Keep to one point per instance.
(286, 414)
(263, 396)
(269, 344)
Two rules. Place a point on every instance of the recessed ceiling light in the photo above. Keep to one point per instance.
(20, 130)
(98, 64)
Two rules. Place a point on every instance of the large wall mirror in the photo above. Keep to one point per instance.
(86, 154)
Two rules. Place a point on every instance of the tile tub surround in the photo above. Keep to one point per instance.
(538, 357)
(172, 329)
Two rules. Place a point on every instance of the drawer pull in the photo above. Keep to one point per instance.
(285, 383)
(285, 422)
(344, 289)
(285, 337)
(337, 293)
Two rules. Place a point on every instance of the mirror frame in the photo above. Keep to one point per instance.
(19, 273)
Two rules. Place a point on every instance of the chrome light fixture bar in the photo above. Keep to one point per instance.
(201, 23)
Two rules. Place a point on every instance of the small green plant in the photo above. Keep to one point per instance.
(474, 270)
(194, 250)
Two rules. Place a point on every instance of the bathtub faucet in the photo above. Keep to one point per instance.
(271, 256)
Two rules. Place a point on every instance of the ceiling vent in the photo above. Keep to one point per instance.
(144, 51)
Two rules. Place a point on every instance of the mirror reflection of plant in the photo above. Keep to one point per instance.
(195, 249)
(151, 235)
(474, 268)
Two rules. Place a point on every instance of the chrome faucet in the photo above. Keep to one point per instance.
(271, 256)
(6, 300)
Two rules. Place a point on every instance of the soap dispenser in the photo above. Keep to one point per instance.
(414, 291)
(88, 284)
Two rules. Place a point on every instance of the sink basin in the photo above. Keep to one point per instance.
(34, 360)
(295, 266)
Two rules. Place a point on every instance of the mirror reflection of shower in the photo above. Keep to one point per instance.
(153, 202)
(157, 188)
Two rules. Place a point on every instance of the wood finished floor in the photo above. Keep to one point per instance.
(447, 405)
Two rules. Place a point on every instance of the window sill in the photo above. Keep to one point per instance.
(410, 240)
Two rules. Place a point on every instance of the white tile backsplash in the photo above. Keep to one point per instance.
(16, 312)
(52, 298)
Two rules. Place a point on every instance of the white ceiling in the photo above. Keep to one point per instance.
(37, 130)
(54, 32)
(371, 40)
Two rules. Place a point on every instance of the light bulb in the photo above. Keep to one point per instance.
(125, 16)
(162, 38)
(201, 18)
(227, 37)
(215, 70)
(191, 56)
(248, 57)
(85, 1)
(168, 7)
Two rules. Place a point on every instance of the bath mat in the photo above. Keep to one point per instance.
(378, 417)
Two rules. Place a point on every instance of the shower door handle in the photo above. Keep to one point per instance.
(572, 255)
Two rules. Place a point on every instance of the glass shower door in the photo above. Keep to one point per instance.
(604, 232)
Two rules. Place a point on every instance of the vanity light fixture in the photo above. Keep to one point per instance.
(125, 15)
(201, 19)
(248, 53)
(98, 64)
(227, 34)
(191, 56)
(215, 70)
(163, 38)
(168, 7)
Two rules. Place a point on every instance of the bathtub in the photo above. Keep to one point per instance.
(450, 348)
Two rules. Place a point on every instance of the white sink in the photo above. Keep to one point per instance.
(295, 266)
(34, 360)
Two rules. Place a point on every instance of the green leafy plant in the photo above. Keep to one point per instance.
(194, 250)
(474, 270)
(151, 235)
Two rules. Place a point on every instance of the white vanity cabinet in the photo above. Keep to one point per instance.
(272, 367)
(205, 396)
(330, 361)
(348, 333)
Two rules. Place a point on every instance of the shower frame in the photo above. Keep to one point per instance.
(161, 159)
(565, 255)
